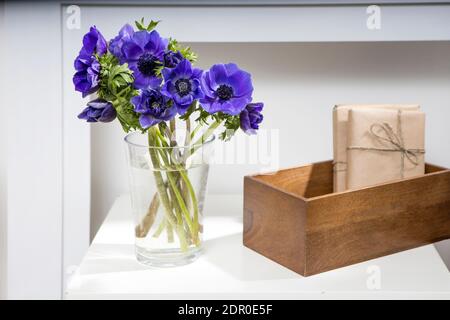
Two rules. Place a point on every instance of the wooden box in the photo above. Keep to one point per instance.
(293, 217)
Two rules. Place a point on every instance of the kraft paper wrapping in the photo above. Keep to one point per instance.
(384, 145)
(340, 120)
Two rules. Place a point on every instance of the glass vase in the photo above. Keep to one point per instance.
(167, 186)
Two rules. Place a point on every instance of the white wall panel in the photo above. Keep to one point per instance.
(76, 157)
(3, 167)
(34, 149)
(328, 23)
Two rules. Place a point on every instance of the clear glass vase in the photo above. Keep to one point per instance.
(167, 184)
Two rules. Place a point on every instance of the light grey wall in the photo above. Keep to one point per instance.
(34, 152)
(309, 23)
(2, 168)
(299, 84)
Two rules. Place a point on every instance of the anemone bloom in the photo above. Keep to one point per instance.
(227, 89)
(86, 65)
(153, 107)
(172, 59)
(98, 110)
(251, 117)
(86, 76)
(93, 42)
(115, 45)
(182, 84)
(144, 53)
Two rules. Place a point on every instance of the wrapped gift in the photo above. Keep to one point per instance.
(340, 119)
(384, 145)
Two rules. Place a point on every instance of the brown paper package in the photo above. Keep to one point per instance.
(384, 145)
(340, 120)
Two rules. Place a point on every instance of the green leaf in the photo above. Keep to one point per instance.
(186, 52)
(173, 45)
(116, 85)
(152, 25)
(142, 27)
(128, 118)
(231, 124)
(118, 78)
(140, 24)
(203, 117)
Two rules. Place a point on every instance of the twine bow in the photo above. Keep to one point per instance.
(395, 140)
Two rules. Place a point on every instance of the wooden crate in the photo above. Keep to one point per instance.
(293, 217)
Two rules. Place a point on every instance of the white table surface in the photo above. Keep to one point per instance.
(228, 270)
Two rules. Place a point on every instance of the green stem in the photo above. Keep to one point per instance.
(205, 136)
(160, 229)
(159, 140)
(172, 191)
(162, 188)
(194, 200)
(172, 136)
(170, 236)
(180, 231)
(187, 139)
(181, 203)
(193, 226)
(194, 132)
(187, 142)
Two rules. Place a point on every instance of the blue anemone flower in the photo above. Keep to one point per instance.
(87, 67)
(172, 59)
(227, 89)
(143, 52)
(153, 107)
(251, 117)
(115, 45)
(98, 110)
(86, 77)
(93, 42)
(182, 84)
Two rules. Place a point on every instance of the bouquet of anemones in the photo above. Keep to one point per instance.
(148, 82)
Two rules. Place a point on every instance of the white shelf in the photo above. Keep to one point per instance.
(229, 270)
(273, 24)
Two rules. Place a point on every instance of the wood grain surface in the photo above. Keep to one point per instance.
(293, 218)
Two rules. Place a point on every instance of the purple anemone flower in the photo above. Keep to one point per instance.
(86, 76)
(251, 117)
(87, 68)
(153, 107)
(98, 110)
(115, 45)
(227, 89)
(182, 84)
(172, 59)
(93, 42)
(144, 53)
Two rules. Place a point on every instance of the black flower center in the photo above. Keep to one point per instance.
(183, 87)
(225, 92)
(147, 64)
(157, 105)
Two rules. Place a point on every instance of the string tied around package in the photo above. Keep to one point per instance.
(385, 134)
